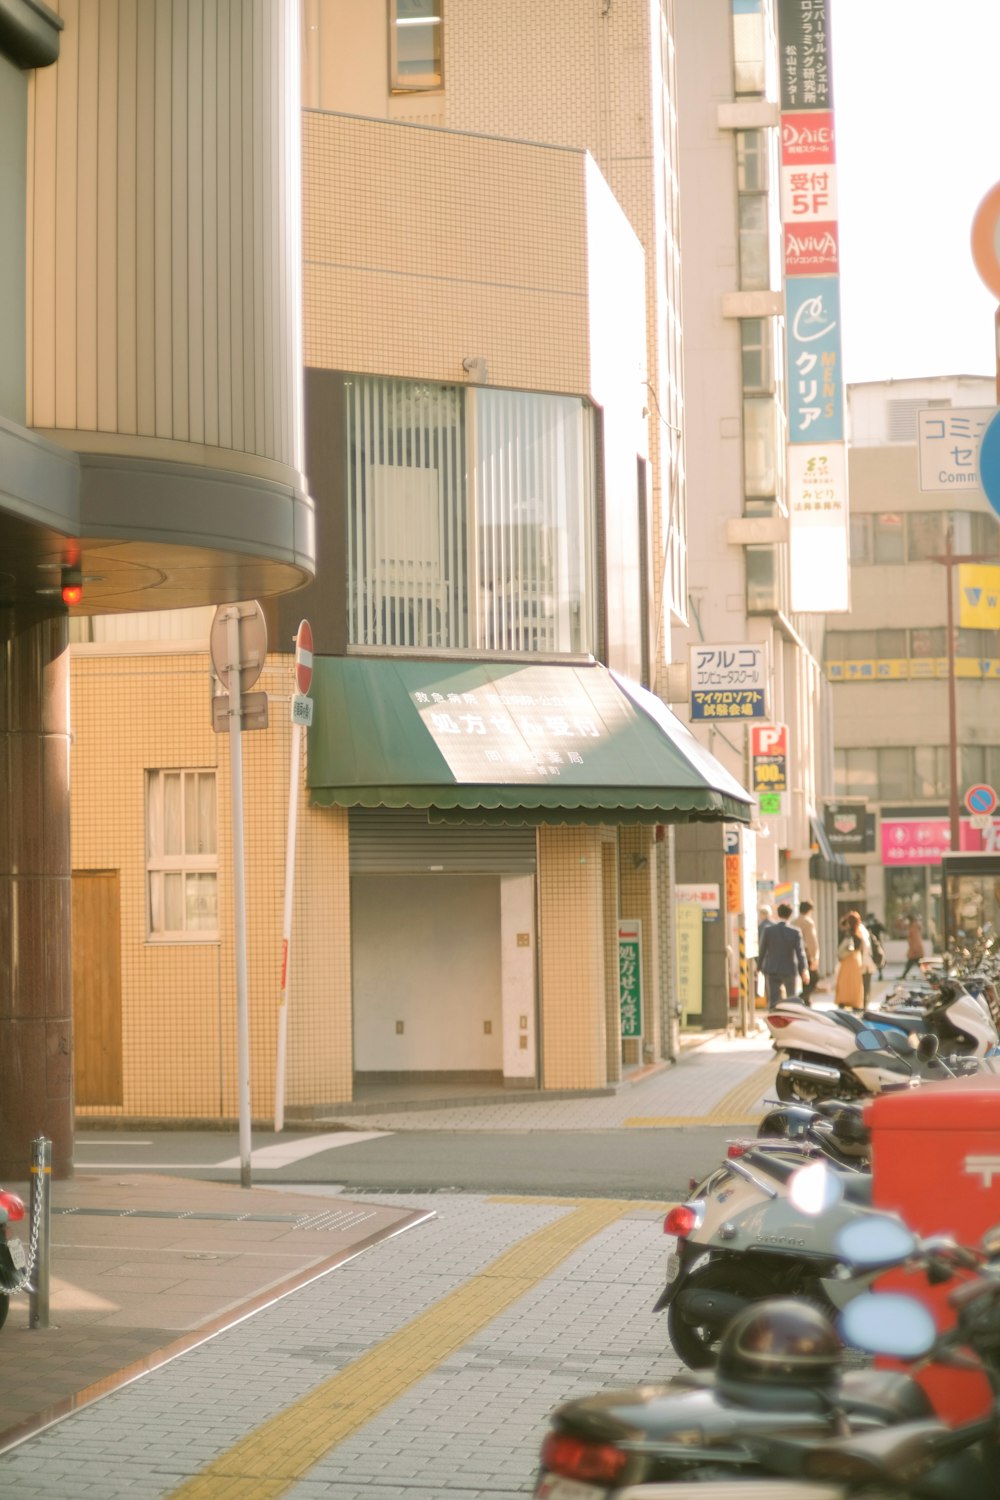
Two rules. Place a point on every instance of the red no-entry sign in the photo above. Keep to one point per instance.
(303, 657)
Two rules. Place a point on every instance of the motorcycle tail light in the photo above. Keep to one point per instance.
(778, 1023)
(682, 1218)
(12, 1203)
(736, 1149)
(575, 1459)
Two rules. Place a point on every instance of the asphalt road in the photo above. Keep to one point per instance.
(652, 1164)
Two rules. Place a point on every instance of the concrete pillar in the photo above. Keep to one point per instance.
(36, 1090)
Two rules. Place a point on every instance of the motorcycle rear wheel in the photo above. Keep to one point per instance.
(698, 1346)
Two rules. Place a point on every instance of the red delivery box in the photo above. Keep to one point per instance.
(936, 1161)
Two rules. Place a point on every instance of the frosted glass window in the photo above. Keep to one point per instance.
(182, 854)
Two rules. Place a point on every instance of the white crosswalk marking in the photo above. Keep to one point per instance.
(298, 1147)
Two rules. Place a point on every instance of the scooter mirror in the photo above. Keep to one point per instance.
(871, 1041)
(888, 1323)
(815, 1189)
(875, 1240)
(927, 1047)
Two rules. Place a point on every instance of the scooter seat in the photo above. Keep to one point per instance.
(857, 1186)
(899, 1020)
(885, 1393)
(852, 1019)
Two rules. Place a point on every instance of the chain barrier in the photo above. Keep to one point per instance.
(24, 1284)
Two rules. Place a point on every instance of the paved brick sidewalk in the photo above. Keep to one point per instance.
(310, 1397)
(144, 1264)
(723, 1081)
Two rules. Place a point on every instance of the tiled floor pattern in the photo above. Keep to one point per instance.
(461, 1419)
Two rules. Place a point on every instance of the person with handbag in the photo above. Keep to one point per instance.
(850, 989)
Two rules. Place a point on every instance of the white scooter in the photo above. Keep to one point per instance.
(819, 1048)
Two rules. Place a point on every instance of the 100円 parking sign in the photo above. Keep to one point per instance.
(728, 682)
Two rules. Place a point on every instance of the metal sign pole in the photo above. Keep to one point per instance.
(239, 894)
(286, 930)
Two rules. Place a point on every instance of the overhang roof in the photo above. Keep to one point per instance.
(503, 742)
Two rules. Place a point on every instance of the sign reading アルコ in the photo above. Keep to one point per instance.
(630, 977)
(728, 682)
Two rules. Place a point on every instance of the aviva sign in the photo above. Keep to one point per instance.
(979, 597)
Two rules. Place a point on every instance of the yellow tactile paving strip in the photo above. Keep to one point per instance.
(734, 1108)
(281, 1452)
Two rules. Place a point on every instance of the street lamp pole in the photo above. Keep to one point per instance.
(953, 818)
(949, 560)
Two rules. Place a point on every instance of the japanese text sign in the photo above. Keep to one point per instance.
(728, 682)
(769, 757)
(948, 446)
(804, 55)
(818, 529)
(630, 977)
(815, 384)
(705, 896)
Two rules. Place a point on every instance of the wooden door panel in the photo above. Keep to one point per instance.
(97, 988)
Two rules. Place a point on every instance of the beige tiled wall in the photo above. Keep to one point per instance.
(438, 246)
(134, 712)
(572, 957)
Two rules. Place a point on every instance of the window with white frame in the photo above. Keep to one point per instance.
(469, 517)
(415, 48)
(182, 860)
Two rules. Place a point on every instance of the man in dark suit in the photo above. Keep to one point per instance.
(782, 958)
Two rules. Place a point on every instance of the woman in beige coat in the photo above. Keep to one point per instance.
(850, 991)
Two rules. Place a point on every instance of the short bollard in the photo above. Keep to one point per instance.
(38, 1260)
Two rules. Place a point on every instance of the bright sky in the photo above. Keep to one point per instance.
(916, 92)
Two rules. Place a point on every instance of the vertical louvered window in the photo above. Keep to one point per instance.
(469, 518)
(532, 484)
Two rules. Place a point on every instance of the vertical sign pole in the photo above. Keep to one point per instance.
(239, 893)
(953, 812)
(286, 929)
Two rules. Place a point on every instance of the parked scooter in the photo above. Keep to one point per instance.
(13, 1262)
(740, 1238)
(960, 1019)
(782, 1420)
(847, 1061)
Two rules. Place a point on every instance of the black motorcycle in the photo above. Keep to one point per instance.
(781, 1408)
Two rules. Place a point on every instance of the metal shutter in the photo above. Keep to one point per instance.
(387, 841)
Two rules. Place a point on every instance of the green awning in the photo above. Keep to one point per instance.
(495, 742)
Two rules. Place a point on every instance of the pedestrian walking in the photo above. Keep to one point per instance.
(806, 923)
(782, 958)
(876, 932)
(850, 989)
(868, 964)
(914, 944)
